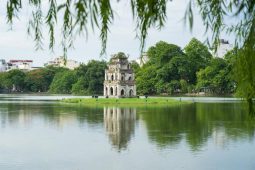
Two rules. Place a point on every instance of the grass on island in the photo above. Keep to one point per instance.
(124, 101)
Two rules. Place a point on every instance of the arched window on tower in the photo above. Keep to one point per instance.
(130, 78)
(122, 93)
(131, 93)
(122, 77)
(112, 78)
(111, 90)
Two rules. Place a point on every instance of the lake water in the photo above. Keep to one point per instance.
(47, 135)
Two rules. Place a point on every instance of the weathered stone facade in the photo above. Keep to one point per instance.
(119, 78)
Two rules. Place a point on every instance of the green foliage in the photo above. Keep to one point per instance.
(62, 82)
(184, 86)
(13, 80)
(174, 86)
(167, 65)
(198, 56)
(86, 79)
(35, 81)
(127, 101)
(170, 70)
(217, 77)
(245, 74)
(135, 67)
(78, 87)
(90, 78)
(119, 55)
(163, 52)
(39, 80)
(146, 80)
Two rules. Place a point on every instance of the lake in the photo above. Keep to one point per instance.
(38, 133)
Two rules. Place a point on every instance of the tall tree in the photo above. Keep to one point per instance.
(14, 80)
(166, 66)
(217, 77)
(62, 82)
(198, 56)
(90, 78)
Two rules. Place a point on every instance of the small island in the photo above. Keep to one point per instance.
(120, 88)
(126, 101)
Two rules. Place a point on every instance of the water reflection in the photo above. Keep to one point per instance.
(52, 115)
(55, 136)
(120, 125)
(197, 125)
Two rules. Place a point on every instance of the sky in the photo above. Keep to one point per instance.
(16, 44)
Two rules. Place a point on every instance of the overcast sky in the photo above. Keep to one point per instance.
(16, 44)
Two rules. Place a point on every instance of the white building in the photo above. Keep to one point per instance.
(223, 48)
(143, 59)
(3, 65)
(24, 65)
(119, 78)
(61, 62)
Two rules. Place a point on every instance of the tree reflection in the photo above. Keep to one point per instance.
(57, 115)
(120, 125)
(197, 123)
(193, 124)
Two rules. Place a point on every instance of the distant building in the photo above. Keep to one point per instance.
(143, 59)
(119, 78)
(24, 65)
(3, 65)
(223, 48)
(61, 62)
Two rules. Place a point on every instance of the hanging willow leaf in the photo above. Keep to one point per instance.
(51, 20)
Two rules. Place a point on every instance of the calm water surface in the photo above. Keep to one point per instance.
(46, 135)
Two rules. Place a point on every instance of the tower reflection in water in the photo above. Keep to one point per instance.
(120, 125)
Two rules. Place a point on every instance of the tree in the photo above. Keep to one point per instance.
(90, 78)
(62, 82)
(198, 56)
(146, 80)
(163, 52)
(39, 80)
(36, 81)
(2, 81)
(78, 87)
(167, 63)
(135, 66)
(245, 76)
(14, 80)
(184, 86)
(216, 77)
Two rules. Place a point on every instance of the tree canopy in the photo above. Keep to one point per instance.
(169, 68)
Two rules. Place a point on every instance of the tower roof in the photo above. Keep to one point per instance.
(119, 55)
